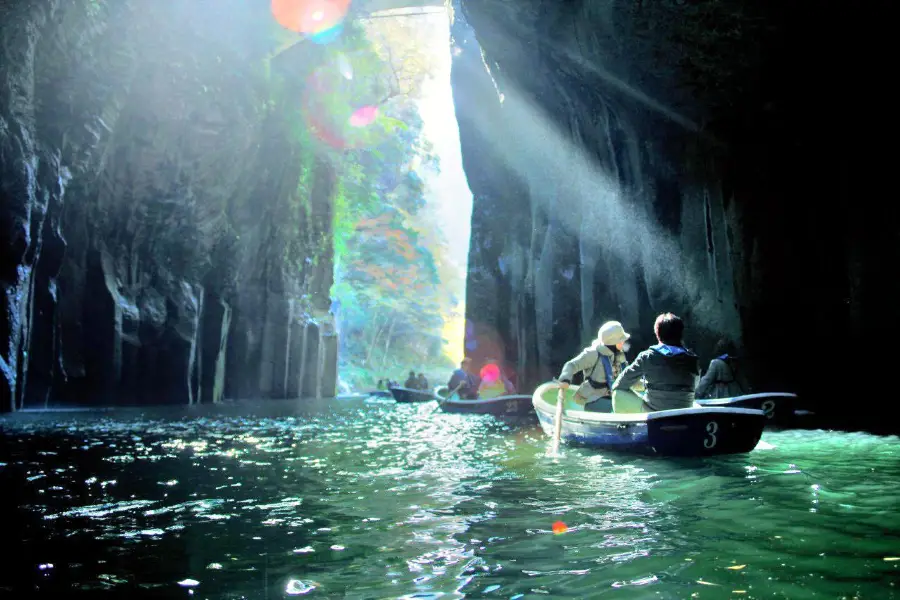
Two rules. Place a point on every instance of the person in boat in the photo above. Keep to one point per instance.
(668, 370)
(493, 383)
(723, 379)
(380, 385)
(600, 363)
(423, 382)
(508, 386)
(465, 380)
(412, 382)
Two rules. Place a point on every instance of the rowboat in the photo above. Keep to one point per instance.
(402, 394)
(702, 431)
(379, 394)
(780, 408)
(513, 405)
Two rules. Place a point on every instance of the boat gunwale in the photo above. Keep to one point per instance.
(599, 418)
(483, 401)
(425, 393)
(745, 397)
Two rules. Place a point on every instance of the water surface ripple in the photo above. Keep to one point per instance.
(370, 499)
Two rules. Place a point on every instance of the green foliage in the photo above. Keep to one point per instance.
(386, 278)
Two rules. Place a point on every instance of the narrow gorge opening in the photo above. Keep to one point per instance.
(183, 190)
(265, 200)
(402, 253)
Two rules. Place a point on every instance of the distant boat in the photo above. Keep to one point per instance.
(379, 394)
(681, 432)
(402, 394)
(514, 405)
(780, 407)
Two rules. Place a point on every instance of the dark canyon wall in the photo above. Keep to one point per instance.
(165, 234)
(722, 159)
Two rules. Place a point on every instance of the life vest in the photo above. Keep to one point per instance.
(492, 389)
(667, 350)
(602, 359)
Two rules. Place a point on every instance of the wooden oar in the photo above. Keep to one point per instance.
(557, 419)
(442, 400)
(454, 390)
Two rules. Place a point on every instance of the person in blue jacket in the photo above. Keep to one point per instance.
(465, 380)
(667, 371)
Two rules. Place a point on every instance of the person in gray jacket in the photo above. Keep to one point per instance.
(669, 372)
(724, 378)
(600, 363)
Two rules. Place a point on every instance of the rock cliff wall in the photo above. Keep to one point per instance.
(717, 159)
(166, 236)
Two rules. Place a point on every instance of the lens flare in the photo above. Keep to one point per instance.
(327, 36)
(326, 89)
(363, 116)
(339, 111)
(490, 372)
(320, 87)
(322, 20)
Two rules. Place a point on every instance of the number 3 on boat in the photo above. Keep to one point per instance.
(711, 429)
(698, 431)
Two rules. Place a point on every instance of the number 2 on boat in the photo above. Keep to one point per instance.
(711, 429)
(769, 408)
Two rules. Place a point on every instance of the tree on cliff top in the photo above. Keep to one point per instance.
(380, 256)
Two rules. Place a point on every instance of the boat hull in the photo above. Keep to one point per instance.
(514, 405)
(402, 394)
(704, 431)
(780, 408)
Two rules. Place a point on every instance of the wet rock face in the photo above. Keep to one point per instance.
(700, 157)
(146, 207)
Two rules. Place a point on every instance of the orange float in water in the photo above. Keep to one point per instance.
(560, 527)
(310, 16)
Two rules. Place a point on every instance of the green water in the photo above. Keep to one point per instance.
(370, 499)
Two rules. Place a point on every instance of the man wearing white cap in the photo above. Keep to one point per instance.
(601, 363)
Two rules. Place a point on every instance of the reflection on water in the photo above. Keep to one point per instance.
(371, 499)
